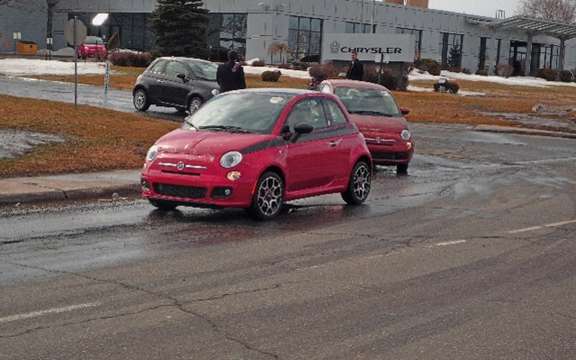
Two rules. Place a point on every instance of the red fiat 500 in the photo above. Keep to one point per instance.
(373, 108)
(93, 47)
(256, 149)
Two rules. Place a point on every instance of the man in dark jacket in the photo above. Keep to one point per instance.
(356, 70)
(230, 75)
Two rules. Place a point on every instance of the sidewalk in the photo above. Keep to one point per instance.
(524, 131)
(69, 187)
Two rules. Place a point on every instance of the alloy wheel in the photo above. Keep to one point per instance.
(361, 182)
(269, 196)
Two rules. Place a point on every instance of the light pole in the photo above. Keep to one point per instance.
(373, 16)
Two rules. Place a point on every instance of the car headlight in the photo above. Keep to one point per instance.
(231, 159)
(215, 92)
(152, 153)
(405, 135)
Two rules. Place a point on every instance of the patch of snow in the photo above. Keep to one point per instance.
(429, 90)
(252, 61)
(47, 67)
(257, 70)
(416, 75)
(14, 143)
(419, 89)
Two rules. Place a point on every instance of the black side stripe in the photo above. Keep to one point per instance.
(279, 141)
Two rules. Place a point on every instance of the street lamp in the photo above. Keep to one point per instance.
(100, 19)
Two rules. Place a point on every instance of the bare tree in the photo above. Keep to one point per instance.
(556, 10)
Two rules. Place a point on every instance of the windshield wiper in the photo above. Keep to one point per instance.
(189, 122)
(369, 112)
(226, 128)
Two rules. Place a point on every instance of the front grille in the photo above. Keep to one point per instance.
(391, 156)
(189, 192)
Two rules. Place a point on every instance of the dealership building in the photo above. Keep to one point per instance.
(296, 30)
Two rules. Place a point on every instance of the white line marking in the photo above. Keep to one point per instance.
(533, 228)
(449, 243)
(562, 223)
(46, 312)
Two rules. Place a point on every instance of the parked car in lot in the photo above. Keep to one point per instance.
(256, 149)
(93, 47)
(182, 83)
(374, 110)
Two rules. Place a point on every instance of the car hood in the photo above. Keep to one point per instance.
(379, 124)
(207, 143)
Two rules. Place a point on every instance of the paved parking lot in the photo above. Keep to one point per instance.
(469, 257)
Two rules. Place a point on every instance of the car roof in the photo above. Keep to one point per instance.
(180, 58)
(278, 91)
(355, 84)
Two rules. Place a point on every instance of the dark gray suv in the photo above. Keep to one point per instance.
(182, 83)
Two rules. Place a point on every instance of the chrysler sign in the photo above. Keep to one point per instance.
(394, 47)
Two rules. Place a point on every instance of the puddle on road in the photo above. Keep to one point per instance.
(14, 143)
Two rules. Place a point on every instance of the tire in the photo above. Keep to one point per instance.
(359, 185)
(140, 100)
(162, 205)
(194, 104)
(268, 199)
(402, 170)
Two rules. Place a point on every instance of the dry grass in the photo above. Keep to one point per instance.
(123, 78)
(96, 139)
(426, 107)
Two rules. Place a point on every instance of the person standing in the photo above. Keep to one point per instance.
(230, 75)
(356, 69)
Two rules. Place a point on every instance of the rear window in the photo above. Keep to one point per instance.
(93, 40)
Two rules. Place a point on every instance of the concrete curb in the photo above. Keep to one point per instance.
(524, 131)
(76, 194)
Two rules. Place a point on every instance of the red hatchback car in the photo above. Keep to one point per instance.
(374, 110)
(93, 47)
(256, 149)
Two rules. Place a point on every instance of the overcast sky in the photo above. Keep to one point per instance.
(477, 7)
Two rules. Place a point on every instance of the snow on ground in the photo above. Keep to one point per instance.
(512, 81)
(257, 70)
(47, 67)
(428, 90)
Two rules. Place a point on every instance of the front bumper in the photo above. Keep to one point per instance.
(394, 153)
(213, 191)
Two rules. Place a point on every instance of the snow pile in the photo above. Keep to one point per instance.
(47, 67)
(512, 81)
(257, 70)
(429, 90)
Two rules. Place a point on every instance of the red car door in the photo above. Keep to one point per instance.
(306, 157)
(342, 140)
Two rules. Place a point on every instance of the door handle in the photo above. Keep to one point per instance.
(335, 143)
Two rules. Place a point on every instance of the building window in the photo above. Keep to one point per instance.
(418, 38)
(452, 49)
(226, 32)
(359, 28)
(128, 30)
(482, 55)
(498, 51)
(305, 38)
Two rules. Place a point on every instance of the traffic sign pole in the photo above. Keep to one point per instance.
(75, 61)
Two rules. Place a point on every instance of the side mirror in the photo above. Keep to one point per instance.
(405, 111)
(302, 129)
(182, 77)
(286, 133)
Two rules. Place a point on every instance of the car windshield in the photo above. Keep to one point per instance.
(239, 112)
(368, 101)
(93, 40)
(203, 70)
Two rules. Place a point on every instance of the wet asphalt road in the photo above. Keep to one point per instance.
(473, 256)
(117, 100)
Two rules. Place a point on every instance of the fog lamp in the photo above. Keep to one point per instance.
(234, 175)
